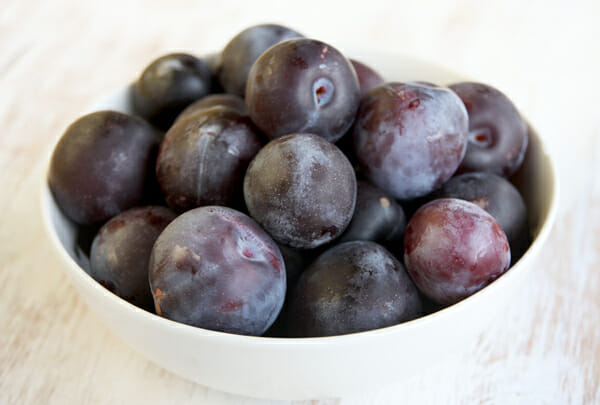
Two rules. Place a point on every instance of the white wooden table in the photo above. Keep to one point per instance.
(58, 57)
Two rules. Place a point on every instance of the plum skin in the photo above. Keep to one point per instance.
(102, 165)
(301, 189)
(169, 84)
(352, 287)
(222, 99)
(241, 52)
(499, 198)
(121, 251)
(377, 217)
(498, 135)
(453, 248)
(303, 86)
(410, 138)
(203, 158)
(215, 268)
(367, 77)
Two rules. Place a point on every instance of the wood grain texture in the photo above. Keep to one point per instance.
(58, 57)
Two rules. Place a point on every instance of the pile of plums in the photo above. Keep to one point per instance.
(281, 189)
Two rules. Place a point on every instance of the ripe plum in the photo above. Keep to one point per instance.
(202, 159)
(410, 138)
(367, 77)
(498, 135)
(215, 268)
(499, 198)
(241, 52)
(303, 86)
(352, 287)
(301, 189)
(121, 251)
(168, 85)
(102, 165)
(226, 100)
(377, 217)
(453, 248)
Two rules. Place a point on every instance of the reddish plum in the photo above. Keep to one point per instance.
(453, 248)
(499, 198)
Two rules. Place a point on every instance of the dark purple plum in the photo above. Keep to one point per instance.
(301, 189)
(498, 135)
(121, 251)
(453, 248)
(102, 165)
(215, 268)
(168, 85)
(410, 138)
(352, 287)
(225, 100)
(242, 51)
(202, 159)
(499, 198)
(377, 217)
(303, 86)
(367, 77)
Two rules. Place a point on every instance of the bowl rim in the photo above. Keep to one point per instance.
(422, 322)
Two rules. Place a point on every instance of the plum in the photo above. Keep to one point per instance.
(215, 268)
(453, 248)
(301, 189)
(121, 251)
(352, 287)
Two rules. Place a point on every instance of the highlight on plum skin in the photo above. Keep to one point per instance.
(241, 52)
(453, 248)
(303, 86)
(121, 251)
(498, 135)
(215, 268)
(410, 138)
(352, 287)
(102, 165)
(301, 189)
(203, 159)
(168, 85)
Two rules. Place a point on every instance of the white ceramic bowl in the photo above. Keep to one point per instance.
(314, 367)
